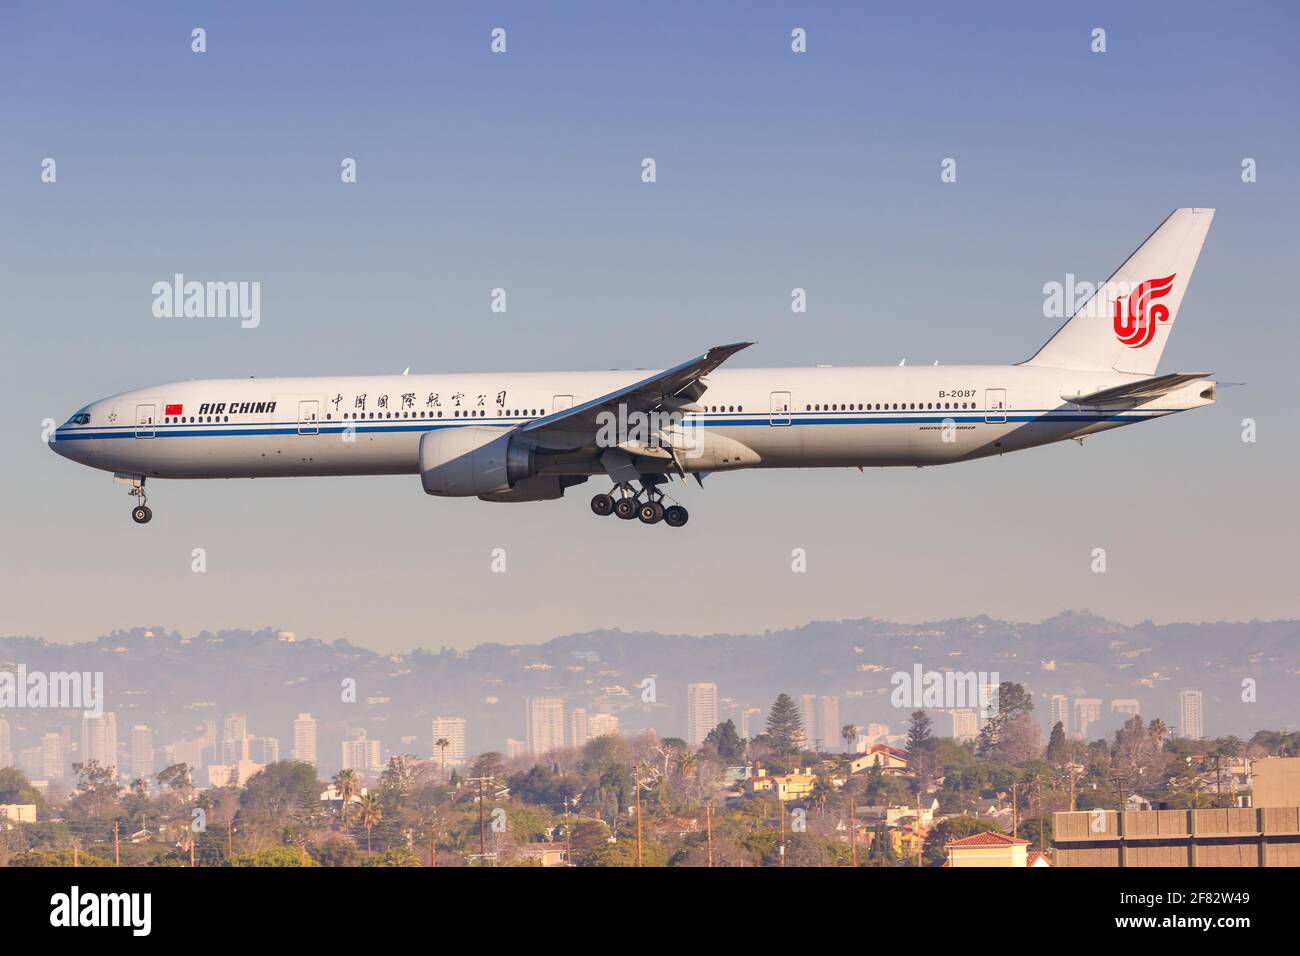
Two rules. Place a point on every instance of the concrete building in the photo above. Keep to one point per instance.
(603, 725)
(142, 755)
(1058, 706)
(545, 724)
(304, 739)
(452, 730)
(362, 754)
(701, 712)
(52, 756)
(965, 725)
(579, 727)
(1126, 707)
(1191, 715)
(1087, 711)
(1257, 836)
(6, 745)
(992, 849)
(99, 739)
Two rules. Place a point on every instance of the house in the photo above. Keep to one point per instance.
(889, 759)
(992, 849)
(787, 786)
(542, 854)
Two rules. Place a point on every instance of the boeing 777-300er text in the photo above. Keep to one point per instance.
(529, 436)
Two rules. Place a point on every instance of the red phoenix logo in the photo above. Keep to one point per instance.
(1138, 328)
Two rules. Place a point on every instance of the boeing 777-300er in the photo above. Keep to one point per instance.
(529, 436)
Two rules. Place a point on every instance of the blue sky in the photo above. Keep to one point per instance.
(521, 170)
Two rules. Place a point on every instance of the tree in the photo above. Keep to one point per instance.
(1011, 734)
(850, 734)
(346, 784)
(273, 856)
(1057, 745)
(785, 726)
(97, 792)
(372, 811)
(882, 852)
(337, 850)
(398, 856)
(919, 741)
(442, 743)
(726, 741)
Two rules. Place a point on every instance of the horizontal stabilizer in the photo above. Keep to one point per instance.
(1134, 393)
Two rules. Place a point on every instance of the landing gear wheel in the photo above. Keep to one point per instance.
(602, 505)
(675, 516)
(625, 508)
(141, 514)
(652, 512)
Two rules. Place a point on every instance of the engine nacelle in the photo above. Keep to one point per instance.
(538, 488)
(472, 460)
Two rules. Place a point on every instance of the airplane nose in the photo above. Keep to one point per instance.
(59, 444)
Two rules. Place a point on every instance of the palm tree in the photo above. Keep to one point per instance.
(442, 743)
(850, 735)
(1160, 731)
(346, 783)
(372, 811)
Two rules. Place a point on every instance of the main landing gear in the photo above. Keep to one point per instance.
(646, 505)
(141, 513)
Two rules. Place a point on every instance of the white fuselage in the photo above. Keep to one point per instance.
(751, 418)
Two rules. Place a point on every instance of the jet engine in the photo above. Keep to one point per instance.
(473, 460)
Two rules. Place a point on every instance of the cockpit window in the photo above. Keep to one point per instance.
(81, 418)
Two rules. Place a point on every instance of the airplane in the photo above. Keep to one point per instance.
(530, 436)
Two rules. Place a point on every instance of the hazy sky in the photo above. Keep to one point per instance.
(522, 170)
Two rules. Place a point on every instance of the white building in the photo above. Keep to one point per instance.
(701, 712)
(579, 727)
(304, 739)
(99, 740)
(142, 756)
(545, 720)
(452, 730)
(1087, 711)
(603, 725)
(362, 754)
(1191, 715)
(1059, 707)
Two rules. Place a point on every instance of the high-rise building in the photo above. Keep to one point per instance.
(1191, 715)
(188, 752)
(545, 724)
(452, 730)
(304, 739)
(99, 740)
(515, 748)
(142, 757)
(1127, 706)
(747, 725)
(603, 725)
(1059, 705)
(828, 724)
(808, 711)
(701, 712)
(263, 750)
(52, 756)
(1087, 711)
(579, 728)
(965, 725)
(362, 754)
(6, 745)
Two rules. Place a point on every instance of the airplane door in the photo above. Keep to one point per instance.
(780, 408)
(308, 417)
(995, 405)
(560, 402)
(144, 420)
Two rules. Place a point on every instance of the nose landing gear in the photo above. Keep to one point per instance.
(141, 513)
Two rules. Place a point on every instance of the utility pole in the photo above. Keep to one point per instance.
(302, 851)
(433, 841)
(482, 824)
(76, 858)
(191, 850)
(853, 830)
(638, 813)
(117, 843)
(1014, 809)
(781, 845)
(230, 843)
(708, 829)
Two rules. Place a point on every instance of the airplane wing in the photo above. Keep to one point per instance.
(1134, 393)
(676, 388)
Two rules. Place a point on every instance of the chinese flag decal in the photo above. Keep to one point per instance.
(172, 410)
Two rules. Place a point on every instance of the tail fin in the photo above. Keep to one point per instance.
(1126, 324)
